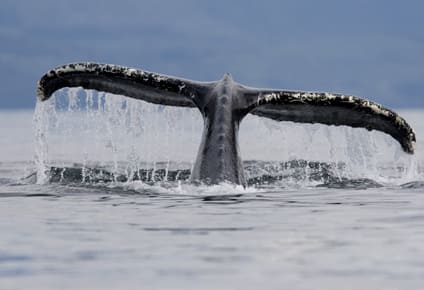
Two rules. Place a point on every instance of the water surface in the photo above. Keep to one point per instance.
(298, 233)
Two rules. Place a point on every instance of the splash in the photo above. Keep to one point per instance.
(345, 152)
(87, 129)
(130, 140)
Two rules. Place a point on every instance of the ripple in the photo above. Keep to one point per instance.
(413, 185)
(4, 257)
(199, 230)
(344, 183)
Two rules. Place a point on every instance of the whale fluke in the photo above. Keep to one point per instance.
(333, 109)
(224, 104)
(151, 87)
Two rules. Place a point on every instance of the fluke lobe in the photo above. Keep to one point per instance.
(224, 104)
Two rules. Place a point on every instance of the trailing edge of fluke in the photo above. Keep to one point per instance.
(224, 104)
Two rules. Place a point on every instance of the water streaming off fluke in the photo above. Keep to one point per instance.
(87, 136)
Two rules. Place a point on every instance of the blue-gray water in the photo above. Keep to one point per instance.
(136, 235)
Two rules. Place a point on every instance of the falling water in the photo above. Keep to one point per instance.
(123, 135)
(89, 129)
(354, 152)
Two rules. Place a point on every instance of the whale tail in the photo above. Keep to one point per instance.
(134, 83)
(223, 104)
(333, 109)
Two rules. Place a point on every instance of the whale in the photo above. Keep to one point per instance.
(224, 104)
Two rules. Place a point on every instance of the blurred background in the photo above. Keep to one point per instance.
(373, 49)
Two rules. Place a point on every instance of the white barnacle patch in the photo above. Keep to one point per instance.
(328, 96)
(377, 109)
(160, 78)
(131, 72)
(84, 67)
(385, 112)
(332, 97)
(399, 121)
(260, 97)
(181, 87)
(296, 95)
(270, 97)
(307, 96)
(413, 146)
(69, 68)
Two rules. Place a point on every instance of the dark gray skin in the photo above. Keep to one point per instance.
(223, 105)
(218, 158)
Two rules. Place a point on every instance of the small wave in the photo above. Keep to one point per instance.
(99, 175)
(413, 185)
(345, 183)
(5, 181)
(260, 176)
(220, 191)
(258, 173)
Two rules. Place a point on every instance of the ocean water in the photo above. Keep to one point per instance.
(93, 195)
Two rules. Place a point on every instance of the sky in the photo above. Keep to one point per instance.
(368, 48)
